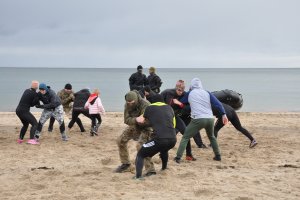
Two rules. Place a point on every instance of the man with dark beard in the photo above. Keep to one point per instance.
(134, 107)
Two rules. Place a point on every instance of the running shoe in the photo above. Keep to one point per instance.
(64, 137)
(190, 158)
(32, 141)
(217, 158)
(253, 144)
(20, 141)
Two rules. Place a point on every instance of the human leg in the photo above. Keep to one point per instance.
(208, 124)
(93, 126)
(235, 121)
(58, 114)
(145, 136)
(122, 142)
(46, 114)
(24, 128)
(180, 126)
(191, 129)
(147, 150)
(164, 153)
(51, 122)
(218, 125)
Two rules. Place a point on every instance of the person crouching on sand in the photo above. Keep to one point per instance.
(52, 108)
(161, 118)
(28, 99)
(96, 108)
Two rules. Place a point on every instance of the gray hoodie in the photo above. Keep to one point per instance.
(199, 100)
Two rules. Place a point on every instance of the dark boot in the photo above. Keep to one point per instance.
(122, 168)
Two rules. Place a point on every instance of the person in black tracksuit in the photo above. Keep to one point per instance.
(154, 80)
(78, 108)
(171, 97)
(138, 80)
(235, 121)
(29, 99)
(161, 118)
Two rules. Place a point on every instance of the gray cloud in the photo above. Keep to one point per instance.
(169, 33)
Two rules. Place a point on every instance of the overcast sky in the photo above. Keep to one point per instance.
(162, 33)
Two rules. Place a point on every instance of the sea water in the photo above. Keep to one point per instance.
(263, 89)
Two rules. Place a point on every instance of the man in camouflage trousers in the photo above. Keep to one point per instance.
(134, 107)
(52, 108)
(66, 96)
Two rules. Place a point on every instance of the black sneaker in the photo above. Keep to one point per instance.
(203, 146)
(178, 160)
(217, 158)
(150, 173)
(122, 168)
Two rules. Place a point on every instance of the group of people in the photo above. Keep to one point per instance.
(55, 106)
(153, 118)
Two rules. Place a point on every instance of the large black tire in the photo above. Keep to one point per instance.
(230, 97)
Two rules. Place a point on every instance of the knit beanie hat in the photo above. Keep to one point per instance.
(68, 86)
(131, 96)
(140, 67)
(43, 86)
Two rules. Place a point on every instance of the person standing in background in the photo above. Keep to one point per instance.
(138, 80)
(154, 80)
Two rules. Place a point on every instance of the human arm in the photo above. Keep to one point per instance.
(100, 106)
(217, 104)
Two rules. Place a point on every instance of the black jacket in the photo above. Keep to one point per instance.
(29, 99)
(168, 96)
(137, 81)
(154, 82)
(80, 99)
(50, 100)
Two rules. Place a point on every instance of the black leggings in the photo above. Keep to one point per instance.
(75, 118)
(235, 121)
(151, 148)
(26, 119)
(95, 118)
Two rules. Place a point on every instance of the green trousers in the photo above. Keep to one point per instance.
(194, 127)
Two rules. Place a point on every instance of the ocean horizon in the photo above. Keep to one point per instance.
(263, 89)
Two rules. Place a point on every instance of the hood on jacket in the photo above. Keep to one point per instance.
(196, 83)
(92, 97)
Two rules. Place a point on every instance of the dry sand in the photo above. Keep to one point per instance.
(82, 168)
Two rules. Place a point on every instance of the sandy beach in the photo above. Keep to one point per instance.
(82, 168)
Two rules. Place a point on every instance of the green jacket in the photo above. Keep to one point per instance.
(130, 115)
(66, 98)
